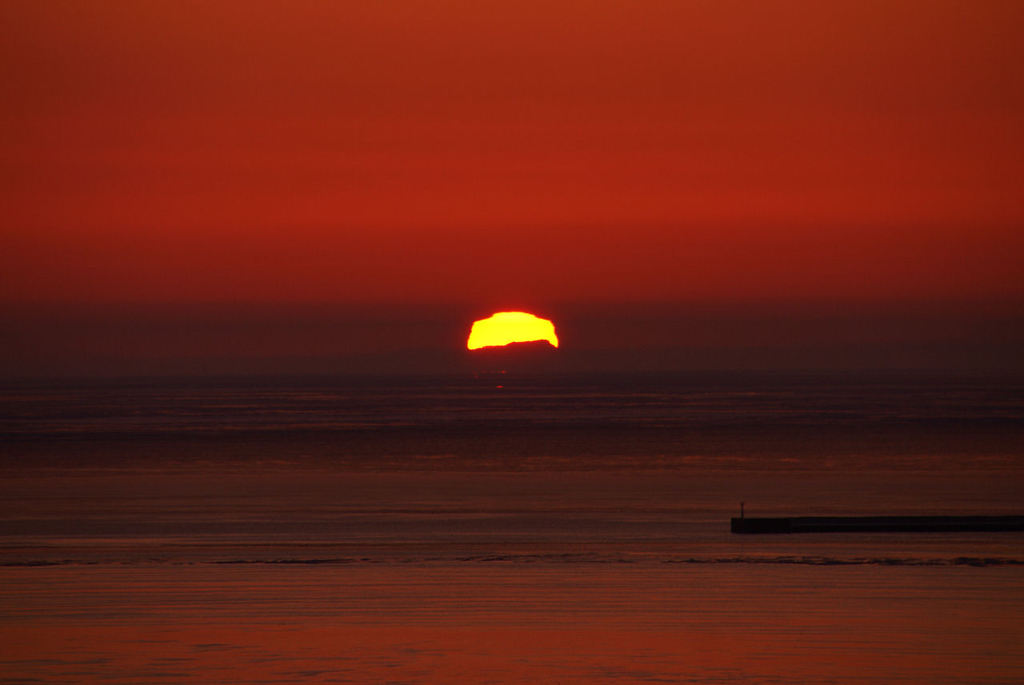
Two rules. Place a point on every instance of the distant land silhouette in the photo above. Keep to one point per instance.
(536, 355)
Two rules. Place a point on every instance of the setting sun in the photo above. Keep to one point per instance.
(503, 328)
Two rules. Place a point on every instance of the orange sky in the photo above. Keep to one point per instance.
(504, 152)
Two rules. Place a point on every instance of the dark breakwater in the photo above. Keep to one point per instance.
(877, 524)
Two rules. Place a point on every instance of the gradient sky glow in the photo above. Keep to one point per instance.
(495, 155)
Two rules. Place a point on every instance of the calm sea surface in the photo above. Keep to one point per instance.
(506, 528)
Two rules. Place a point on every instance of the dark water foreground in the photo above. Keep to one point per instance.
(555, 530)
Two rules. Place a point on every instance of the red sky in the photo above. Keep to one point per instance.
(464, 151)
(855, 157)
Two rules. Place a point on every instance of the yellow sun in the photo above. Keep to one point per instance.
(503, 328)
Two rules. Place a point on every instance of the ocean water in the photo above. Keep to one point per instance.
(507, 528)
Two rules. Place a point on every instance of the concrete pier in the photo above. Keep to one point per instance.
(876, 524)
